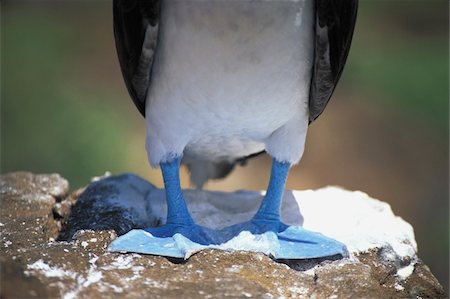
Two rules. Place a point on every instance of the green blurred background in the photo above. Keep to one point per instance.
(65, 109)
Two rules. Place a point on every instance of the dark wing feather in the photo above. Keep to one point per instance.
(136, 32)
(335, 21)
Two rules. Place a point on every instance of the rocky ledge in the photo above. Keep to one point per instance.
(54, 245)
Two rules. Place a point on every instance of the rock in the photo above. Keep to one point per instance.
(27, 203)
(16, 284)
(383, 262)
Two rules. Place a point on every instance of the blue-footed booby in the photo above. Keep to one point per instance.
(219, 81)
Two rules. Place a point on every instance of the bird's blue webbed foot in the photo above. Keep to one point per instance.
(282, 241)
(172, 240)
(180, 236)
(275, 238)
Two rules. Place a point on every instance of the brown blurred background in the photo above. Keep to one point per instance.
(65, 109)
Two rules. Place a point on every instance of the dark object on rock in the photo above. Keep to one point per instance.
(33, 265)
(96, 211)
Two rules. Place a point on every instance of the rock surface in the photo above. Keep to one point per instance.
(54, 245)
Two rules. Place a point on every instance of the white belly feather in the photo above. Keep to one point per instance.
(230, 78)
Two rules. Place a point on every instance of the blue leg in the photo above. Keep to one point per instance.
(275, 238)
(267, 218)
(180, 236)
(269, 211)
(177, 211)
(179, 220)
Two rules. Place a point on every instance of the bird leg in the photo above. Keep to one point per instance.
(274, 237)
(267, 218)
(269, 211)
(179, 220)
(177, 211)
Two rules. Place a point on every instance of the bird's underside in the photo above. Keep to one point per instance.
(230, 79)
(221, 80)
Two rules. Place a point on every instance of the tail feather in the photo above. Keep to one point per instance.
(203, 170)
